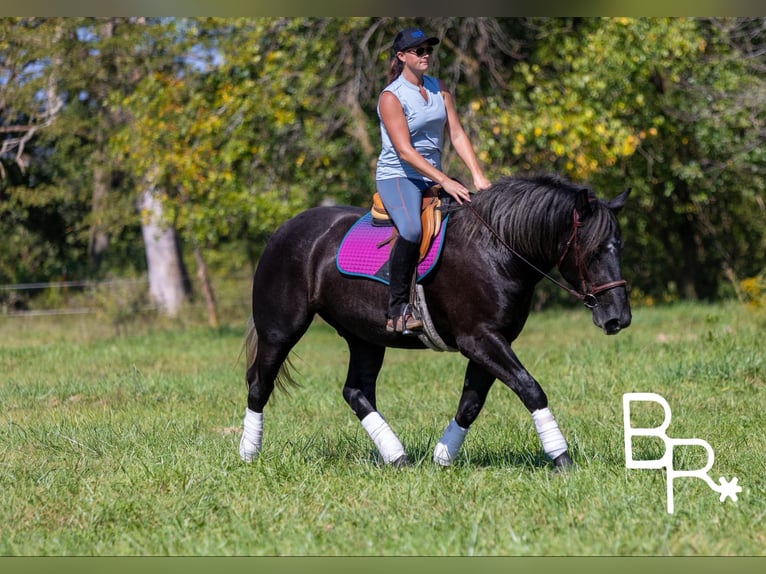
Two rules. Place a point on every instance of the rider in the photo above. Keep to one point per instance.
(414, 110)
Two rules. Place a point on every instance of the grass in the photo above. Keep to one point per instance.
(114, 446)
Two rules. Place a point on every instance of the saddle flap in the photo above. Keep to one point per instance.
(430, 220)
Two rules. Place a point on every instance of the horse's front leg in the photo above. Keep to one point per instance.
(492, 352)
(475, 389)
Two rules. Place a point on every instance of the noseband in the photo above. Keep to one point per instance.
(589, 291)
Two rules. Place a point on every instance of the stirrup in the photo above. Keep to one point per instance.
(406, 323)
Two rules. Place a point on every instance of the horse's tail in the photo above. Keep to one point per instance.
(284, 377)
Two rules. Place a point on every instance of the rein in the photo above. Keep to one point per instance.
(588, 296)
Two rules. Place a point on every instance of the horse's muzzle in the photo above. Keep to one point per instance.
(612, 319)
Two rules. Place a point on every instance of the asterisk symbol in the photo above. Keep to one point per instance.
(729, 488)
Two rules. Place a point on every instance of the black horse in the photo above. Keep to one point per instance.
(497, 248)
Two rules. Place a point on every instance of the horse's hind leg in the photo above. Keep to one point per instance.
(266, 361)
(364, 365)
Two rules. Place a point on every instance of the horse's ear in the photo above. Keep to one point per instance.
(583, 202)
(619, 202)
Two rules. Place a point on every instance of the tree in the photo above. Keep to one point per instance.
(61, 154)
(244, 138)
(233, 125)
(109, 58)
(668, 106)
(29, 104)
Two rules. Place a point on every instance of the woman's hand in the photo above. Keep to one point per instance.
(480, 182)
(457, 190)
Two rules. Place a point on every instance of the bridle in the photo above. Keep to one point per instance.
(589, 291)
(588, 295)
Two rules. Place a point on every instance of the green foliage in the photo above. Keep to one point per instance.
(660, 105)
(121, 303)
(51, 196)
(244, 144)
(753, 290)
(239, 123)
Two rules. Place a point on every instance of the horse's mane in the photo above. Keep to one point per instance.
(524, 210)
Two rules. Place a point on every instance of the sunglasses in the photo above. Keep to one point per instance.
(421, 50)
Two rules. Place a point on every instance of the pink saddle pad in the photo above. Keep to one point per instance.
(360, 256)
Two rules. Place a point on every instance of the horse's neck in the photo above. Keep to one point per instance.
(534, 253)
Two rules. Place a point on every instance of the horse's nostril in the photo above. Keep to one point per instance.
(612, 326)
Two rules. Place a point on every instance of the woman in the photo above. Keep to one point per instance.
(414, 110)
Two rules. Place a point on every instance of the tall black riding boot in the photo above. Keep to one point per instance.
(404, 260)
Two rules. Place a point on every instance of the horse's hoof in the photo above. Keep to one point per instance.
(563, 463)
(400, 462)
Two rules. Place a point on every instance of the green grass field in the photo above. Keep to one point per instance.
(114, 446)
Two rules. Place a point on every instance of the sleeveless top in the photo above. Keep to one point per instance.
(426, 122)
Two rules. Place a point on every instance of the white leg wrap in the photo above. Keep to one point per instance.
(252, 436)
(384, 438)
(449, 445)
(547, 428)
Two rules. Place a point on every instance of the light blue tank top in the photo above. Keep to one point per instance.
(426, 122)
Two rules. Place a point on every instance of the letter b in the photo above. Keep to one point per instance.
(667, 458)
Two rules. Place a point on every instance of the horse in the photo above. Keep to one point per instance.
(497, 248)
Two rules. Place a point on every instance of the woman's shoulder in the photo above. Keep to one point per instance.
(398, 89)
(393, 85)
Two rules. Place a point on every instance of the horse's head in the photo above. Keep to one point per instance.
(590, 260)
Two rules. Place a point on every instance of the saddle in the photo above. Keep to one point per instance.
(430, 218)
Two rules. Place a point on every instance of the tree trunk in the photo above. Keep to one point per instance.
(207, 288)
(689, 268)
(98, 242)
(167, 287)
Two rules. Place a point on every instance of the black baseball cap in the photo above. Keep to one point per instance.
(411, 37)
